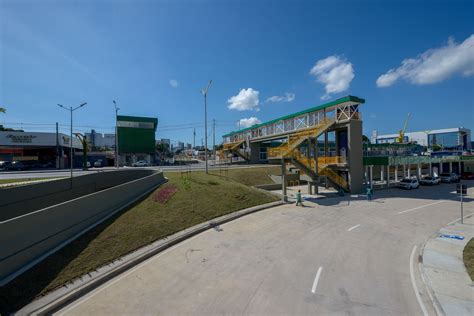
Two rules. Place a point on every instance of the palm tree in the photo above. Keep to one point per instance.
(3, 110)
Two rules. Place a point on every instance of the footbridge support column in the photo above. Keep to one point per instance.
(356, 166)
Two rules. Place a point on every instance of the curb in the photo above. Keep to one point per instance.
(70, 292)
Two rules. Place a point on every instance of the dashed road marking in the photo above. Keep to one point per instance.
(316, 280)
(353, 227)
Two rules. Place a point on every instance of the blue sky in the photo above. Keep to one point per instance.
(153, 57)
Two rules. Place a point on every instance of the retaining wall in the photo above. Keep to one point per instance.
(16, 201)
(27, 239)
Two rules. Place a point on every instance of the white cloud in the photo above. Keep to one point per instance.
(247, 122)
(288, 97)
(174, 83)
(434, 65)
(335, 72)
(247, 99)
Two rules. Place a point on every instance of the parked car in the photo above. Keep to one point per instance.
(140, 163)
(4, 165)
(449, 177)
(427, 180)
(98, 163)
(18, 165)
(88, 164)
(467, 175)
(408, 184)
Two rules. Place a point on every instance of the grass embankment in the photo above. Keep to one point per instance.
(249, 176)
(19, 181)
(184, 201)
(468, 256)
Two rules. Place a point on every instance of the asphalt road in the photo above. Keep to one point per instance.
(34, 174)
(339, 256)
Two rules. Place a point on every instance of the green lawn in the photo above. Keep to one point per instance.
(468, 256)
(249, 176)
(198, 198)
(4, 181)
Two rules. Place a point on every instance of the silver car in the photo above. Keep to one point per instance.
(408, 184)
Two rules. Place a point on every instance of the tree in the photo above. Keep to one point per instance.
(85, 149)
(365, 139)
(3, 110)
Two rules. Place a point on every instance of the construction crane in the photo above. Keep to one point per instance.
(401, 133)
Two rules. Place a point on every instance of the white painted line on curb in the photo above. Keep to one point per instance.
(413, 283)
(353, 227)
(316, 280)
(416, 208)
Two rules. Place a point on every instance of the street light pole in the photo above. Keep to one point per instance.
(71, 109)
(117, 165)
(204, 93)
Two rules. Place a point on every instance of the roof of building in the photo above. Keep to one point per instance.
(348, 98)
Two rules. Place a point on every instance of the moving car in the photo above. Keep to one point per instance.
(18, 165)
(428, 180)
(4, 165)
(140, 163)
(449, 177)
(408, 184)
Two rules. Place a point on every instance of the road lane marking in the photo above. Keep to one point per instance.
(417, 208)
(316, 280)
(413, 283)
(353, 227)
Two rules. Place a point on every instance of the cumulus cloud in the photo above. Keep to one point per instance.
(434, 65)
(247, 99)
(335, 72)
(174, 83)
(247, 122)
(288, 97)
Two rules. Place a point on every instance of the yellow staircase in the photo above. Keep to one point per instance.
(296, 139)
(324, 168)
(234, 148)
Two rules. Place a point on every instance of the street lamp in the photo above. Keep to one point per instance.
(204, 93)
(71, 109)
(116, 136)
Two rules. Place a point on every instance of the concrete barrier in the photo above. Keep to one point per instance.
(21, 200)
(29, 238)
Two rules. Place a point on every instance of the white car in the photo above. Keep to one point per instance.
(449, 177)
(408, 184)
(430, 180)
(140, 163)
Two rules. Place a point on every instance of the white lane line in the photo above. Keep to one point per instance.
(417, 208)
(316, 280)
(413, 283)
(353, 227)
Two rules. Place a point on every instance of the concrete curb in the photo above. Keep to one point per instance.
(68, 293)
(443, 272)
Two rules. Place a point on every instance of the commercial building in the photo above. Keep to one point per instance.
(136, 138)
(458, 138)
(99, 140)
(35, 146)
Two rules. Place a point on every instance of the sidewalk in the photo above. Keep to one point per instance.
(444, 271)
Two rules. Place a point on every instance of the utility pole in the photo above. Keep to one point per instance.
(71, 109)
(57, 146)
(214, 137)
(194, 138)
(116, 136)
(204, 93)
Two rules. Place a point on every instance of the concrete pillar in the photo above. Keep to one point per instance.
(355, 154)
(450, 167)
(371, 176)
(283, 180)
(382, 171)
(388, 176)
(408, 174)
(459, 168)
(419, 171)
(396, 173)
(310, 188)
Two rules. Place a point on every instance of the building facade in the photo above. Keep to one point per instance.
(136, 138)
